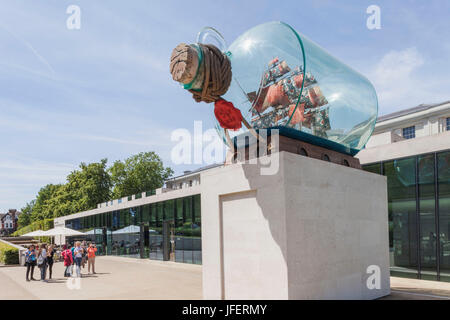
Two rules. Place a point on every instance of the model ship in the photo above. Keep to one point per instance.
(276, 100)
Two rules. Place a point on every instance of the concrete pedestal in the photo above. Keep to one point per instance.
(311, 230)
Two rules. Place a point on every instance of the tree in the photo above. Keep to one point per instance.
(141, 172)
(90, 185)
(94, 183)
(41, 210)
(83, 190)
(25, 216)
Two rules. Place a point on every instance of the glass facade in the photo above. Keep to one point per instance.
(419, 214)
(167, 230)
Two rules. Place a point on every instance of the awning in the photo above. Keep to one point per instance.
(62, 231)
(37, 233)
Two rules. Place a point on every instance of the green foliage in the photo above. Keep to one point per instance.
(187, 230)
(41, 209)
(142, 172)
(83, 190)
(45, 224)
(92, 184)
(24, 220)
(8, 254)
(86, 187)
(25, 217)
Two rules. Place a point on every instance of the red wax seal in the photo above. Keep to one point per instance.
(228, 116)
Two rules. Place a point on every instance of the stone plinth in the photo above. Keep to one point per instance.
(311, 230)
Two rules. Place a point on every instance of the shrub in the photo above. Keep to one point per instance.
(45, 224)
(8, 254)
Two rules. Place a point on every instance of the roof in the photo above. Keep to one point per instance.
(188, 173)
(12, 212)
(404, 112)
(3, 216)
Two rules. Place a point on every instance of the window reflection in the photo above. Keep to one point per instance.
(402, 215)
(419, 215)
(127, 232)
(443, 160)
(427, 217)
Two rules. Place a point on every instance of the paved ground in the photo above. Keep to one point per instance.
(116, 278)
(126, 278)
(413, 289)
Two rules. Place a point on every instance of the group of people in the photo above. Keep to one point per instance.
(78, 255)
(43, 257)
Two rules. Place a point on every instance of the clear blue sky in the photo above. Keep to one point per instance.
(68, 96)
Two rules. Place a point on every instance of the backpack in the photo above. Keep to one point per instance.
(67, 254)
(28, 257)
(40, 260)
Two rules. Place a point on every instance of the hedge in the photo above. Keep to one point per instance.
(45, 224)
(8, 254)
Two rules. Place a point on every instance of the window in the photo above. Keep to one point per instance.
(169, 209)
(409, 132)
(179, 219)
(374, 168)
(447, 124)
(145, 213)
(402, 211)
(428, 237)
(443, 179)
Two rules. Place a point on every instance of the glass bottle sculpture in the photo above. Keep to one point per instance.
(283, 80)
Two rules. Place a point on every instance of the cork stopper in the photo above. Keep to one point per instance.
(184, 63)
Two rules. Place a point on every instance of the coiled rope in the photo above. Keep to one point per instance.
(213, 74)
(217, 77)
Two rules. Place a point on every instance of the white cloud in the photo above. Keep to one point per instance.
(401, 81)
(398, 65)
(394, 75)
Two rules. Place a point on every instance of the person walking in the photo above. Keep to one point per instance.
(68, 261)
(30, 261)
(91, 257)
(72, 248)
(42, 260)
(84, 257)
(50, 254)
(78, 251)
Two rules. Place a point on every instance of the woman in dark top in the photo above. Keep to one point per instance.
(50, 254)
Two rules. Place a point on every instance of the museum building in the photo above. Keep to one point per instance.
(163, 224)
(410, 147)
